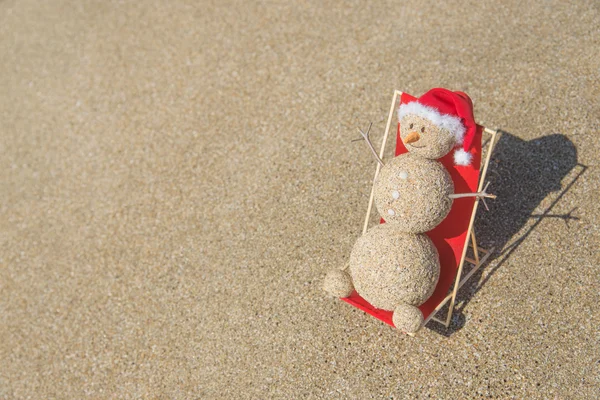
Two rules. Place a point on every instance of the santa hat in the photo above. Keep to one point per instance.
(448, 110)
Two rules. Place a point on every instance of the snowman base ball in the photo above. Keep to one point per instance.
(338, 283)
(392, 269)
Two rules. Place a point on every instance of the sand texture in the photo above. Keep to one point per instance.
(413, 193)
(177, 177)
(389, 267)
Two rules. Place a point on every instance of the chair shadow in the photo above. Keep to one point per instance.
(521, 174)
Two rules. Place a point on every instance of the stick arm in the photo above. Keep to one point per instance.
(365, 136)
(479, 195)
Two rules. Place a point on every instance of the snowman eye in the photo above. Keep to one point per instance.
(423, 130)
(411, 126)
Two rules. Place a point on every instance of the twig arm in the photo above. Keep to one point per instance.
(479, 195)
(483, 194)
(368, 140)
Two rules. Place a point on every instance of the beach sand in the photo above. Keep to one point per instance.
(177, 178)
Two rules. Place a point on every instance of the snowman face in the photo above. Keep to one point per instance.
(424, 138)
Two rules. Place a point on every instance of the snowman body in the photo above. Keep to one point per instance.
(412, 193)
(396, 262)
(390, 267)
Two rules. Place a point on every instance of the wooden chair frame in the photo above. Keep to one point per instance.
(476, 261)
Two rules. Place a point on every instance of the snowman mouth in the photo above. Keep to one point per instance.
(418, 147)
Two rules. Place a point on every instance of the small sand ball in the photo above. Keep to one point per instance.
(412, 193)
(433, 142)
(407, 318)
(338, 283)
(390, 267)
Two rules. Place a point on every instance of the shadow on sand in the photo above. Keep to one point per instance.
(522, 174)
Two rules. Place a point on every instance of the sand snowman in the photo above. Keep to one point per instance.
(395, 266)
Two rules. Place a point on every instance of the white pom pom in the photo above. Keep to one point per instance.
(462, 157)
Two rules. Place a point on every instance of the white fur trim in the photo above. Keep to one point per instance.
(462, 157)
(445, 121)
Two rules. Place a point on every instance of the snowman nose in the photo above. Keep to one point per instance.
(412, 137)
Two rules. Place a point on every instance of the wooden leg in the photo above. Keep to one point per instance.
(397, 93)
(460, 284)
(475, 249)
(457, 282)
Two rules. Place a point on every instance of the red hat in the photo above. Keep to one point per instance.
(448, 110)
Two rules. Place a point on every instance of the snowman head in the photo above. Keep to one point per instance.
(423, 137)
(436, 123)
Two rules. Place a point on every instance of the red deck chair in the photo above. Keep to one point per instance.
(452, 236)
